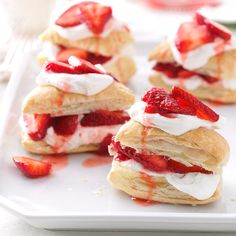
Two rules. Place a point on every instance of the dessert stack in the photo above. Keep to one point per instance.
(199, 57)
(169, 151)
(89, 31)
(76, 107)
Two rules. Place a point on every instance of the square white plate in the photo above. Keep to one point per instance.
(75, 197)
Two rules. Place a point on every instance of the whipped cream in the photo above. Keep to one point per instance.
(86, 84)
(198, 185)
(199, 57)
(82, 136)
(82, 31)
(175, 126)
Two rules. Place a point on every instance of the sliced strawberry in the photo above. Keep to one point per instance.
(64, 54)
(184, 74)
(191, 35)
(37, 125)
(96, 16)
(177, 167)
(103, 147)
(65, 125)
(209, 79)
(83, 67)
(200, 19)
(218, 29)
(32, 168)
(160, 101)
(59, 67)
(97, 59)
(70, 17)
(75, 66)
(202, 110)
(104, 117)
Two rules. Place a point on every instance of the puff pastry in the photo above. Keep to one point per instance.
(58, 121)
(153, 161)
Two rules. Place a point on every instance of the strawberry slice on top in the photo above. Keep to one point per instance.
(96, 16)
(70, 17)
(75, 66)
(64, 54)
(177, 102)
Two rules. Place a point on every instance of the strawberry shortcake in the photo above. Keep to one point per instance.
(89, 31)
(169, 151)
(76, 107)
(199, 57)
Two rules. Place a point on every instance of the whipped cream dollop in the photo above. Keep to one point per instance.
(175, 126)
(82, 136)
(199, 57)
(198, 185)
(86, 84)
(82, 31)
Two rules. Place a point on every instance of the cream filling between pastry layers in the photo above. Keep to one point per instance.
(194, 82)
(198, 185)
(86, 84)
(82, 136)
(50, 52)
(199, 57)
(175, 126)
(82, 31)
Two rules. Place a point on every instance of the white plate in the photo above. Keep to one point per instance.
(75, 197)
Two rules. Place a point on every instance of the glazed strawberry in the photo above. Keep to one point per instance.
(96, 16)
(200, 19)
(191, 35)
(103, 147)
(59, 67)
(70, 17)
(177, 167)
(65, 53)
(185, 74)
(160, 101)
(65, 125)
(37, 125)
(202, 111)
(32, 168)
(218, 29)
(104, 117)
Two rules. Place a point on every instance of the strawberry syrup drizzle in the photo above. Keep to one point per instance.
(143, 202)
(96, 161)
(144, 135)
(57, 161)
(151, 184)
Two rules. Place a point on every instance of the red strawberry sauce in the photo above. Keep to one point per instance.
(59, 161)
(96, 161)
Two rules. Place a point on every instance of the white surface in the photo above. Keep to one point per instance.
(75, 197)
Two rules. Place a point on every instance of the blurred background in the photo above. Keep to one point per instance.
(21, 21)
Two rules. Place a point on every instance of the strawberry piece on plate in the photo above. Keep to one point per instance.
(65, 125)
(190, 36)
(32, 168)
(104, 117)
(180, 168)
(37, 125)
(70, 17)
(202, 111)
(218, 29)
(96, 16)
(64, 54)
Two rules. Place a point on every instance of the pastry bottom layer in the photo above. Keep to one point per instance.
(41, 147)
(212, 93)
(132, 182)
